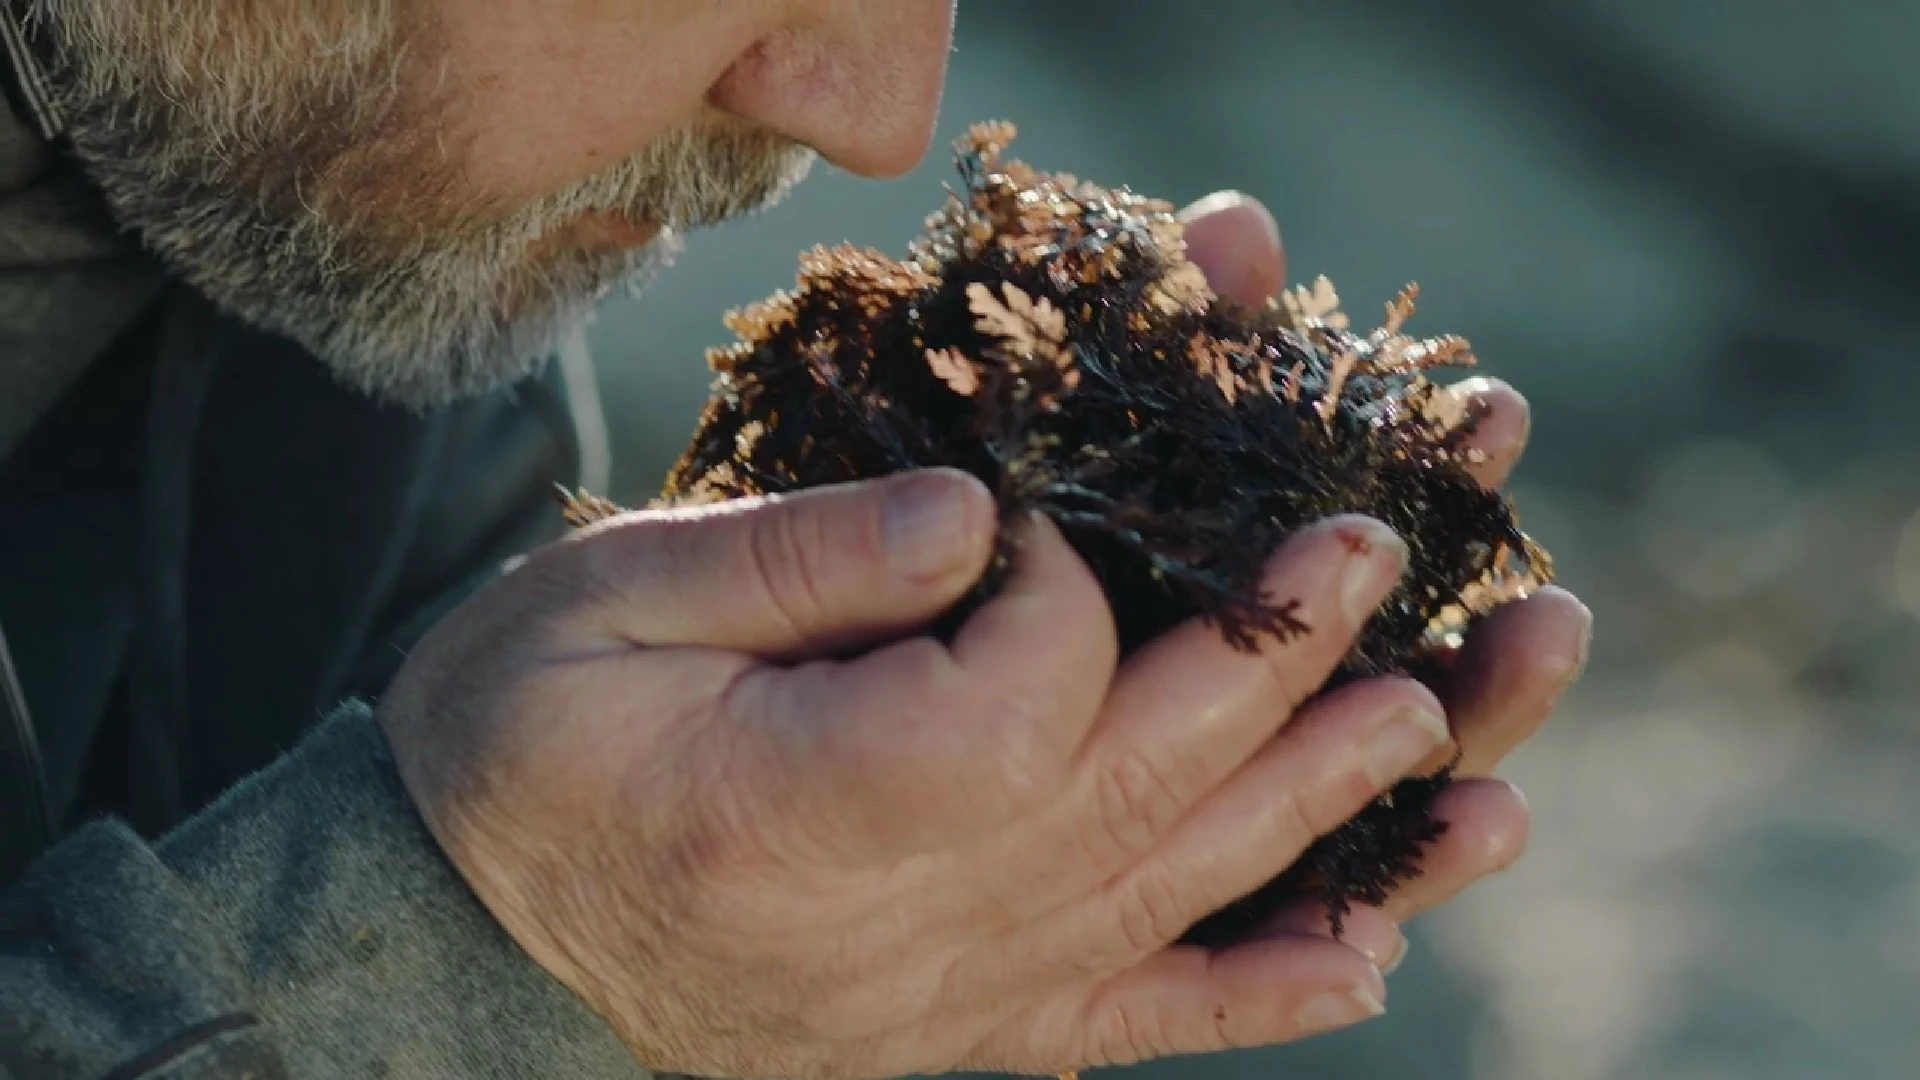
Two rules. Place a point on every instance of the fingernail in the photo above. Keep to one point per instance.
(1470, 388)
(1510, 853)
(1338, 1009)
(1583, 646)
(1212, 204)
(1395, 958)
(1577, 665)
(1404, 742)
(1376, 558)
(924, 524)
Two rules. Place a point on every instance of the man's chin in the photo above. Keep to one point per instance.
(475, 344)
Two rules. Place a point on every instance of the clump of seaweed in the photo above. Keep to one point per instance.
(1050, 336)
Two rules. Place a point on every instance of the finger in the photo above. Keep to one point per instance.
(1511, 673)
(782, 577)
(1192, 1001)
(1371, 931)
(1339, 754)
(920, 744)
(1234, 240)
(1501, 434)
(1037, 662)
(1188, 708)
(1487, 826)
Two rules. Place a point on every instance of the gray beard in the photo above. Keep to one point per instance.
(401, 290)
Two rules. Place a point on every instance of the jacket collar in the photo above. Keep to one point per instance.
(29, 89)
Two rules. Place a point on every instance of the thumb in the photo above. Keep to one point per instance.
(790, 576)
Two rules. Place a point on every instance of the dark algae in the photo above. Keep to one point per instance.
(1050, 337)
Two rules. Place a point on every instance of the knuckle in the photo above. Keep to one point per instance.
(1029, 764)
(1137, 801)
(1152, 913)
(788, 552)
(1291, 684)
(1345, 796)
(615, 572)
(1296, 671)
(1128, 1033)
(1223, 1033)
(1307, 815)
(1296, 822)
(570, 574)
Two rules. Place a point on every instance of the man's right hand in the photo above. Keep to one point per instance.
(754, 860)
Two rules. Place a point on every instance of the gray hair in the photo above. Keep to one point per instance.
(287, 160)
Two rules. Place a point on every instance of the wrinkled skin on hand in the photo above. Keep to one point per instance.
(704, 769)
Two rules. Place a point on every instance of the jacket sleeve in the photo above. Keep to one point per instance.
(303, 927)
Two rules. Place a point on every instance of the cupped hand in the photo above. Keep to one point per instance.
(1516, 665)
(645, 749)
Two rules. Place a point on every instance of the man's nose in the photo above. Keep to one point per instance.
(858, 80)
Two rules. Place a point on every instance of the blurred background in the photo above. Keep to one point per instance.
(1689, 231)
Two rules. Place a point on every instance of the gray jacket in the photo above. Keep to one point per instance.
(206, 547)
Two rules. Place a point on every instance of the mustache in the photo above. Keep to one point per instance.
(691, 177)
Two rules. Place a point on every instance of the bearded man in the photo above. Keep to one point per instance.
(292, 357)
